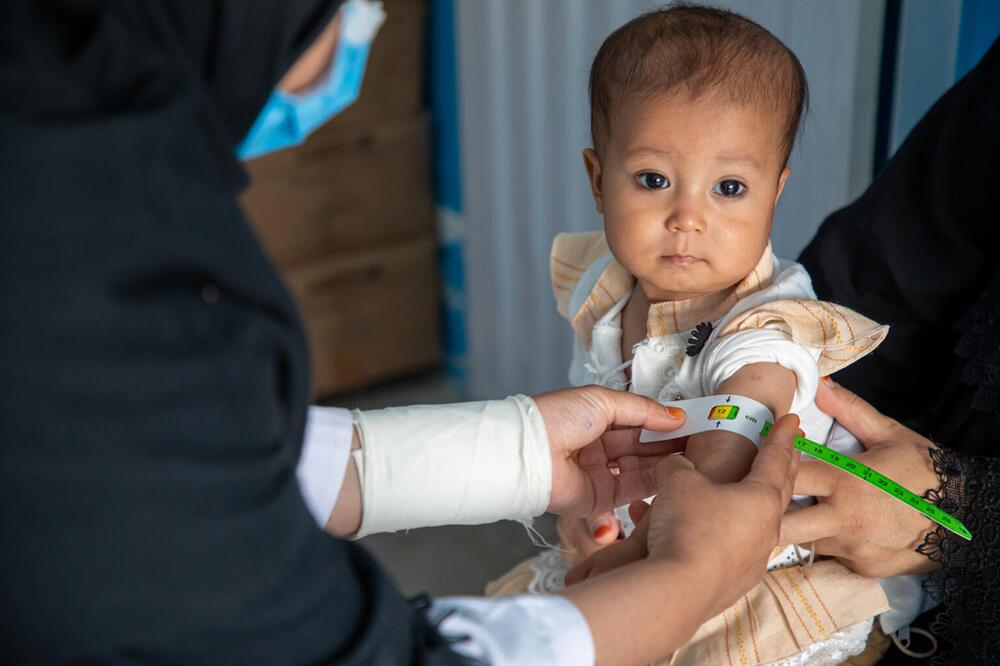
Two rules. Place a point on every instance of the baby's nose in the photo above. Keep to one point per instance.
(685, 218)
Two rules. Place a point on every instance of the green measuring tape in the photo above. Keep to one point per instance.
(880, 481)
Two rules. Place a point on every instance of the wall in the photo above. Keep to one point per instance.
(925, 61)
(939, 42)
(523, 67)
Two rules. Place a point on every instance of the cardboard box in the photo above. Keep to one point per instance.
(370, 316)
(358, 188)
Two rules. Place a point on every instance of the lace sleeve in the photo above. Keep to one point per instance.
(968, 581)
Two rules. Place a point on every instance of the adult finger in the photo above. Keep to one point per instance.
(636, 511)
(816, 478)
(810, 524)
(579, 573)
(863, 421)
(776, 463)
(670, 466)
(621, 443)
(636, 478)
(630, 409)
(604, 528)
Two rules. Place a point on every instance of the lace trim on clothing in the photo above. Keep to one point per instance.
(837, 648)
(967, 584)
(549, 569)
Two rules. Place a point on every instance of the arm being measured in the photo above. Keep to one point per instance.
(725, 456)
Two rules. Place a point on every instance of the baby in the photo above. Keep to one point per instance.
(692, 133)
(694, 112)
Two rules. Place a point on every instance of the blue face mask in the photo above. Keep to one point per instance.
(288, 118)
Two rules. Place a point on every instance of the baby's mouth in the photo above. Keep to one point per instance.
(681, 259)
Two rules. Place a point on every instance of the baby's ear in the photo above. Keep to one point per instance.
(592, 163)
(782, 179)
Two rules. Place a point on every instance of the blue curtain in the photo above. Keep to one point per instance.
(443, 93)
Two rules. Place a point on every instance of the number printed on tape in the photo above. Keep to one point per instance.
(880, 481)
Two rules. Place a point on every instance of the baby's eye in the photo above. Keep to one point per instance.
(654, 181)
(730, 188)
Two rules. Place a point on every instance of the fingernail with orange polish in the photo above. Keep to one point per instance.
(601, 530)
(676, 412)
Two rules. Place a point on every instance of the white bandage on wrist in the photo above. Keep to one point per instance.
(461, 464)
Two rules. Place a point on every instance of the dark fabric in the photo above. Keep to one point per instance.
(920, 251)
(918, 247)
(154, 370)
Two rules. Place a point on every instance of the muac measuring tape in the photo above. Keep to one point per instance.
(752, 420)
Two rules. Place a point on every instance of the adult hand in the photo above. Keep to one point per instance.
(586, 428)
(730, 528)
(589, 427)
(864, 528)
(706, 544)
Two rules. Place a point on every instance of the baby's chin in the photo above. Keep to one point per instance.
(679, 290)
(695, 280)
(684, 283)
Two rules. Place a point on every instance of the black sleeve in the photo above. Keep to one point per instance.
(915, 250)
(967, 418)
(919, 251)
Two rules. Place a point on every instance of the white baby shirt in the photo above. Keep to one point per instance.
(692, 347)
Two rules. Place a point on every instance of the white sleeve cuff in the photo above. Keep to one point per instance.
(523, 629)
(732, 352)
(325, 451)
(462, 464)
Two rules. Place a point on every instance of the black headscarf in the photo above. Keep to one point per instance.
(154, 371)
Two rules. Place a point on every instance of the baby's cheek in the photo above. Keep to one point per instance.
(737, 254)
(626, 241)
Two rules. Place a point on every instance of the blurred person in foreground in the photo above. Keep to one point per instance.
(165, 480)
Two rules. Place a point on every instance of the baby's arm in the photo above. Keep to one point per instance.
(725, 456)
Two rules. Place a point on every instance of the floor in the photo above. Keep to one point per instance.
(442, 560)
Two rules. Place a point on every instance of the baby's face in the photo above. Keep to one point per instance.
(687, 189)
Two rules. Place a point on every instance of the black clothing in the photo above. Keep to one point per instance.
(155, 374)
(920, 250)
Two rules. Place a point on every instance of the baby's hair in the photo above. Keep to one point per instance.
(704, 50)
